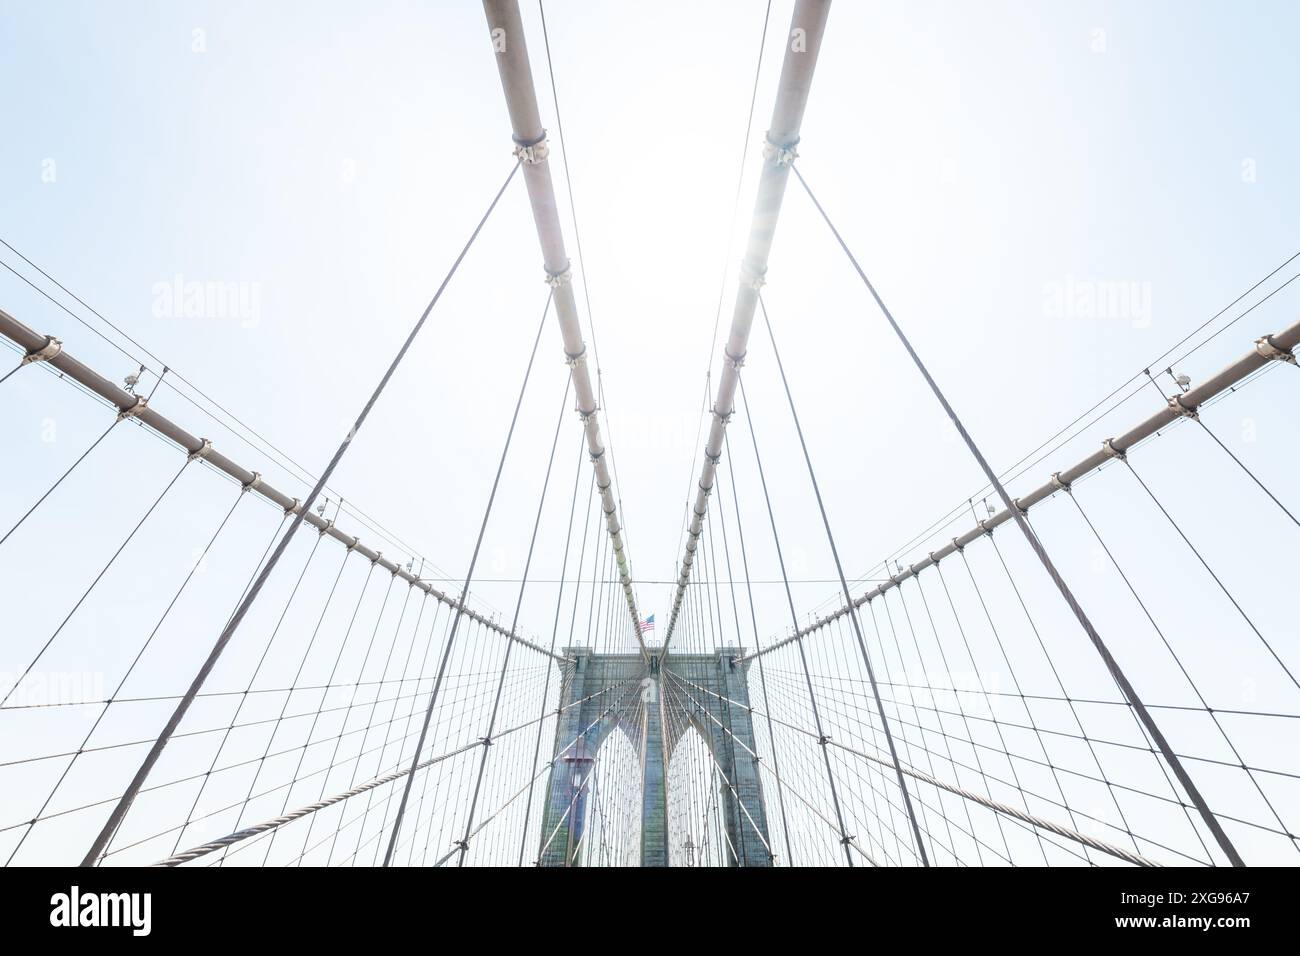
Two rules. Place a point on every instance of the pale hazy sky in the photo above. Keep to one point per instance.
(331, 158)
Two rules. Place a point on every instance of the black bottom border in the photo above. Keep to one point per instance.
(1218, 907)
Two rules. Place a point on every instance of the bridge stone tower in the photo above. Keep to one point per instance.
(619, 694)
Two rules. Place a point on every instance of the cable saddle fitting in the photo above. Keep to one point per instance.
(141, 403)
(533, 153)
(1109, 448)
(561, 278)
(201, 451)
(749, 279)
(51, 348)
(780, 156)
(1176, 405)
(1265, 346)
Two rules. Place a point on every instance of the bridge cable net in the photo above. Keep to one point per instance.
(1015, 749)
(304, 756)
(943, 708)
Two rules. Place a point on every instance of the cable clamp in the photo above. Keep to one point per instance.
(533, 152)
(751, 279)
(561, 278)
(486, 741)
(353, 545)
(292, 509)
(959, 547)
(1176, 405)
(583, 416)
(141, 403)
(1266, 347)
(573, 360)
(983, 526)
(847, 839)
(375, 560)
(51, 348)
(202, 451)
(735, 361)
(462, 845)
(1058, 483)
(1109, 448)
(823, 740)
(255, 482)
(707, 491)
(325, 528)
(778, 155)
(933, 559)
(714, 460)
(724, 419)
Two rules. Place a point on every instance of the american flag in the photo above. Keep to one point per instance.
(648, 624)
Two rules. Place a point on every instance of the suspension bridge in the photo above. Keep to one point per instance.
(1007, 688)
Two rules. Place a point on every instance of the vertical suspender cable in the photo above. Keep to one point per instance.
(464, 593)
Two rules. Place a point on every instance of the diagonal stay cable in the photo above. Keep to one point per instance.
(271, 825)
(124, 804)
(107, 704)
(1121, 679)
